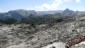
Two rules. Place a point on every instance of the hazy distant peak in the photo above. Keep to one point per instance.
(68, 11)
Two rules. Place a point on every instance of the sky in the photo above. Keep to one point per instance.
(42, 5)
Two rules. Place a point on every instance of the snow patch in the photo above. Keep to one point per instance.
(22, 45)
(56, 45)
(80, 43)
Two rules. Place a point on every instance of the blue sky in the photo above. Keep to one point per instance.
(42, 5)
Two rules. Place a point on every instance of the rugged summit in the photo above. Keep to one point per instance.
(68, 11)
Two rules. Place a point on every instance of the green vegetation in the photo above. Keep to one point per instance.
(10, 20)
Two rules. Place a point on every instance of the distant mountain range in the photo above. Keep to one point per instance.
(18, 14)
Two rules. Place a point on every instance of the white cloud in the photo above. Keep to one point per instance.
(50, 6)
(2, 10)
(53, 5)
(30, 9)
(77, 0)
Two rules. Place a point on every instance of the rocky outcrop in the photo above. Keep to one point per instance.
(76, 40)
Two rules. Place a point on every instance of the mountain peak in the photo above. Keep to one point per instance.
(68, 11)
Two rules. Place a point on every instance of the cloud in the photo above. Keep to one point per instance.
(50, 6)
(30, 9)
(53, 5)
(77, 0)
(3, 10)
